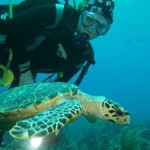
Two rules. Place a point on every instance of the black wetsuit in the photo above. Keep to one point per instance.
(33, 35)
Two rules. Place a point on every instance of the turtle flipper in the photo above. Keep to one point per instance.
(48, 121)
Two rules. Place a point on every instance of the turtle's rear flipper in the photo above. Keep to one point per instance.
(47, 122)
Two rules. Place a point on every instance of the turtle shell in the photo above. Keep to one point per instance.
(25, 101)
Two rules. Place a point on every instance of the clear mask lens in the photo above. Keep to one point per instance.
(90, 21)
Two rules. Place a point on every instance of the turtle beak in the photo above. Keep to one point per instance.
(122, 117)
(127, 118)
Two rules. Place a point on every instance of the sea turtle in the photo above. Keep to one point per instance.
(38, 109)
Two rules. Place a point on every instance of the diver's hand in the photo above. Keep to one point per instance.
(26, 78)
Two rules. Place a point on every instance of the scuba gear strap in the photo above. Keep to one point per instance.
(83, 72)
(10, 9)
(91, 60)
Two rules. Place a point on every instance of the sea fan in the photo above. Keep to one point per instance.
(131, 138)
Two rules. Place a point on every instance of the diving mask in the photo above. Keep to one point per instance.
(92, 22)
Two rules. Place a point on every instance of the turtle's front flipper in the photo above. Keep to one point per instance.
(48, 121)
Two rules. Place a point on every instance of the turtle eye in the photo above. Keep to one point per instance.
(119, 112)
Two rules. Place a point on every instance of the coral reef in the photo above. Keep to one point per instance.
(81, 135)
(131, 138)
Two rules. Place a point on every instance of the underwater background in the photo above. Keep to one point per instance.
(122, 73)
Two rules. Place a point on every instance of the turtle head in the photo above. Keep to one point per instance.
(113, 111)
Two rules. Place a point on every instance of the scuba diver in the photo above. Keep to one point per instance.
(46, 36)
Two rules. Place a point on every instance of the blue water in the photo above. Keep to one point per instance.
(122, 69)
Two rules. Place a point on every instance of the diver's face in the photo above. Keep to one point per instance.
(92, 24)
